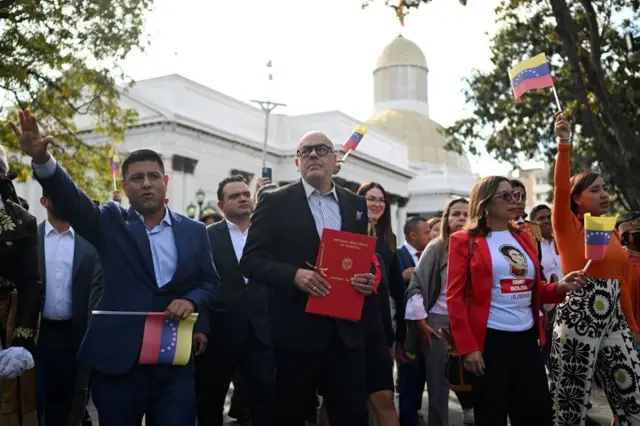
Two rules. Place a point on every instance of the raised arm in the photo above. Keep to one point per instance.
(629, 296)
(71, 203)
(257, 262)
(457, 279)
(562, 216)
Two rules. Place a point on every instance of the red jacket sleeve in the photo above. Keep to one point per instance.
(548, 293)
(457, 278)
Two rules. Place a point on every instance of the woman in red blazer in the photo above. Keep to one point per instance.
(494, 295)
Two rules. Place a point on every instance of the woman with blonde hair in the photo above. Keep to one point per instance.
(594, 329)
(494, 294)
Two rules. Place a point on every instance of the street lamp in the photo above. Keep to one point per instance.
(195, 211)
(191, 210)
(267, 107)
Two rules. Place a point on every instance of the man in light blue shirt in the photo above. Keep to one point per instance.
(153, 260)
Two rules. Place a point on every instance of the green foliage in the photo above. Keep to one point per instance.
(510, 131)
(60, 58)
(409, 4)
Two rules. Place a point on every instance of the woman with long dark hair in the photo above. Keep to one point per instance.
(595, 328)
(379, 354)
(494, 294)
(427, 313)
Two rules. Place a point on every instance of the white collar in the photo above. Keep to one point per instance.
(48, 228)
(166, 219)
(308, 189)
(232, 225)
(412, 250)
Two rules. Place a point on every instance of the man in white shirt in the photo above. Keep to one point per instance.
(550, 261)
(72, 284)
(238, 324)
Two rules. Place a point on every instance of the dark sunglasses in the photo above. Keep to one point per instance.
(321, 151)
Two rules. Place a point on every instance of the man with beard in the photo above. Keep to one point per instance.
(153, 260)
(311, 351)
(238, 323)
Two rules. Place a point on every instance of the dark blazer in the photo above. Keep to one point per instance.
(239, 305)
(112, 342)
(282, 239)
(86, 284)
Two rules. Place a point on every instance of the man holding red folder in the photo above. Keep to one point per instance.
(311, 351)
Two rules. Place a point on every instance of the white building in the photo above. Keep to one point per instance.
(536, 181)
(205, 136)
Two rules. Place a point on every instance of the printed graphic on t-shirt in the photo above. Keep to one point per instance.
(518, 287)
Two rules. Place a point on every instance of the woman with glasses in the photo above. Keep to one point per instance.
(526, 226)
(595, 327)
(494, 294)
(379, 354)
(426, 313)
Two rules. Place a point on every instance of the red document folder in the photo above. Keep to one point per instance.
(341, 256)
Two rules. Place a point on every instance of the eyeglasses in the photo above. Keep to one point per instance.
(374, 200)
(514, 196)
(320, 150)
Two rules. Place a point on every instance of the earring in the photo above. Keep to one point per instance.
(487, 218)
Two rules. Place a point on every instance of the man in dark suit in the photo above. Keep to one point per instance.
(153, 261)
(72, 282)
(311, 351)
(239, 320)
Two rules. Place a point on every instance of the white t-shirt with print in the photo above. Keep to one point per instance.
(513, 278)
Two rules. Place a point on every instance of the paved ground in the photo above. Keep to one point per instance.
(600, 411)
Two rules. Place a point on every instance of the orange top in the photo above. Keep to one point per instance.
(568, 232)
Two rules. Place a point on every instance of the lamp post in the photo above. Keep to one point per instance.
(194, 211)
(267, 107)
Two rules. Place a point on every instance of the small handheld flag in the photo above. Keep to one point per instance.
(114, 163)
(355, 138)
(166, 341)
(597, 234)
(530, 74)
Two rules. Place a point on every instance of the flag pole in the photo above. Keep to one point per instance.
(114, 181)
(557, 100)
(346, 156)
(586, 266)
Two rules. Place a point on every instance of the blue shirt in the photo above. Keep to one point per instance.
(163, 249)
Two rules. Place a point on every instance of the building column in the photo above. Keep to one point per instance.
(401, 218)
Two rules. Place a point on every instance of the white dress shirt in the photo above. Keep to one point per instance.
(58, 257)
(238, 239)
(550, 260)
(325, 208)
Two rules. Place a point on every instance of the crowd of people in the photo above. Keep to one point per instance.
(503, 292)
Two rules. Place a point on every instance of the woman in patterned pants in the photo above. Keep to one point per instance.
(595, 328)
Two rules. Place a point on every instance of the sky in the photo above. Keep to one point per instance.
(323, 51)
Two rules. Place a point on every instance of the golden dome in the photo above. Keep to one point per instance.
(401, 51)
(423, 137)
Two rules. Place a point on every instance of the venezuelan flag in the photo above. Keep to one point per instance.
(114, 162)
(352, 143)
(597, 234)
(166, 341)
(530, 74)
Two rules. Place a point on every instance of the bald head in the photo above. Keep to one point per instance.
(316, 160)
(314, 138)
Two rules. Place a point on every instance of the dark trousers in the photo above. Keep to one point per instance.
(240, 405)
(215, 370)
(56, 371)
(412, 377)
(514, 383)
(339, 375)
(164, 393)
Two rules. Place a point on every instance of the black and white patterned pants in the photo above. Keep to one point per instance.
(591, 337)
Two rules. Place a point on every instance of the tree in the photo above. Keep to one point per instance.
(60, 58)
(597, 80)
